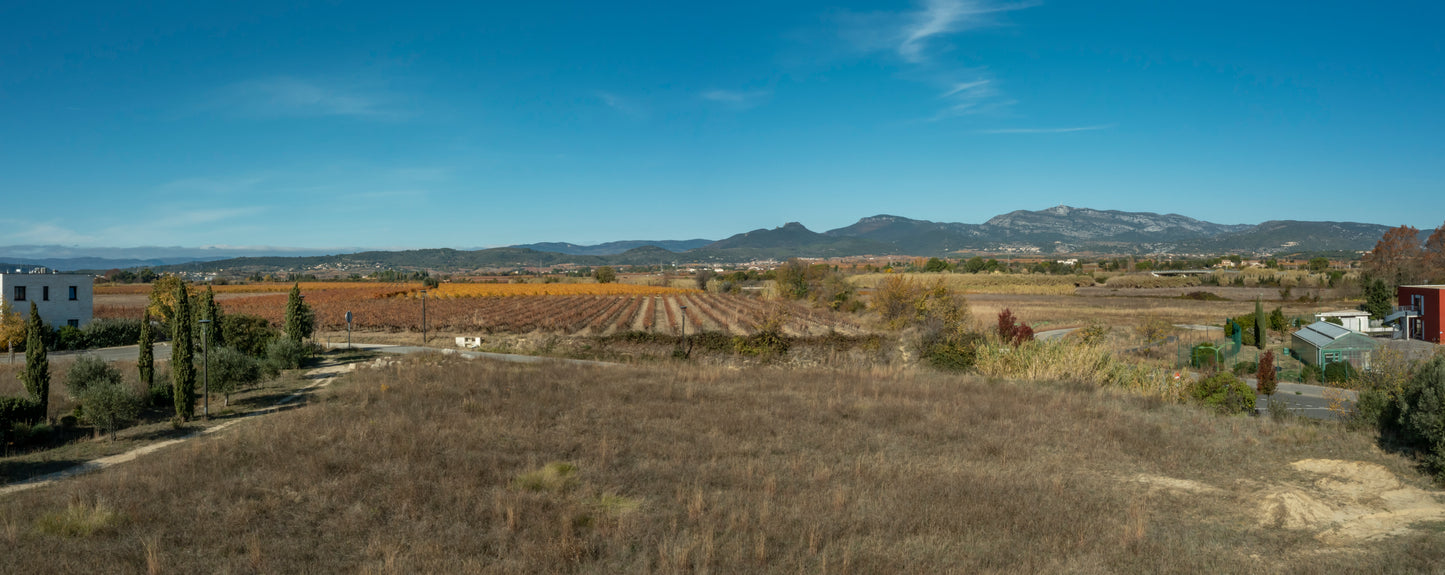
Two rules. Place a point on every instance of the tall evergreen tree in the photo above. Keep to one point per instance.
(1260, 323)
(1379, 297)
(37, 362)
(183, 367)
(146, 362)
(211, 311)
(299, 320)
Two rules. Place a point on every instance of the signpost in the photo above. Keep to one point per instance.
(348, 329)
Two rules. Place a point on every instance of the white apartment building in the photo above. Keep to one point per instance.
(60, 299)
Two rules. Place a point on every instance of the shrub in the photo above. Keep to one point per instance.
(284, 353)
(1153, 328)
(109, 405)
(1371, 408)
(89, 370)
(1094, 333)
(950, 353)
(18, 411)
(232, 370)
(111, 332)
(1417, 417)
(1310, 374)
(1338, 372)
(1224, 393)
(763, 343)
(894, 299)
(1013, 331)
(248, 334)
(1245, 368)
(69, 338)
(161, 395)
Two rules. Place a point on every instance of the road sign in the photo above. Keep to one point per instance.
(348, 317)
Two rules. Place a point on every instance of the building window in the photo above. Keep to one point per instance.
(73, 295)
(19, 293)
(44, 293)
(72, 322)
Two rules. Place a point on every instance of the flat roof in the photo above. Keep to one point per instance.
(1427, 286)
(1346, 313)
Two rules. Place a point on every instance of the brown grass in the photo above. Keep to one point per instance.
(1039, 284)
(448, 466)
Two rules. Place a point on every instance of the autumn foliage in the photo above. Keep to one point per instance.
(1011, 330)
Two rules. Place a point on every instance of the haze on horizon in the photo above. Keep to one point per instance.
(486, 124)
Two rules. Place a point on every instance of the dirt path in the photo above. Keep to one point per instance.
(323, 376)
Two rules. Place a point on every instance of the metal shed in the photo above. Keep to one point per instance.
(1322, 343)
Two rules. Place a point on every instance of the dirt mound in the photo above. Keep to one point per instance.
(1350, 501)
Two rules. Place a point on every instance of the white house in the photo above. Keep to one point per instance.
(61, 299)
(1354, 320)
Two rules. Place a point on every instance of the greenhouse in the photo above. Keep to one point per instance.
(1322, 343)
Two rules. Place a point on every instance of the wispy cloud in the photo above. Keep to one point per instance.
(30, 232)
(910, 34)
(214, 186)
(286, 96)
(970, 97)
(919, 36)
(623, 105)
(1047, 130)
(737, 98)
(195, 217)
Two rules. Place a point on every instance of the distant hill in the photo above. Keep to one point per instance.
(1289, 235)
(792, 239)
(1060, 229)
(614, 248)
(70, 258)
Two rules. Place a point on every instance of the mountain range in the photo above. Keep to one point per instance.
(1056, 230)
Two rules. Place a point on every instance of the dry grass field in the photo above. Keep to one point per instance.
(1127, 310)
(437, 465)
(1038, 284)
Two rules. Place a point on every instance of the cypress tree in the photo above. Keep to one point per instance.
(37, 362)
(211, 311)
(183, 368)
(146, 363)
(1259, 324)
(299, 321)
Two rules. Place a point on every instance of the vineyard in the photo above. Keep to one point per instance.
(572, 309)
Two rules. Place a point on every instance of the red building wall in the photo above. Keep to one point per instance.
(1434, 312)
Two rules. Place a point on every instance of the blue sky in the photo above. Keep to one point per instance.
(327, 124)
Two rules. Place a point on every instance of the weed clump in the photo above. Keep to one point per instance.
(79, 519)
(552, 477)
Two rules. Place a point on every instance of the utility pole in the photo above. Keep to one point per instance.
(206, 352)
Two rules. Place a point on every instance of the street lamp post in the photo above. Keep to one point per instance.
(423, 318)
(206, 351)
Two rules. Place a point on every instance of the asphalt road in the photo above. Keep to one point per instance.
(162, 351)
(1306, 400)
